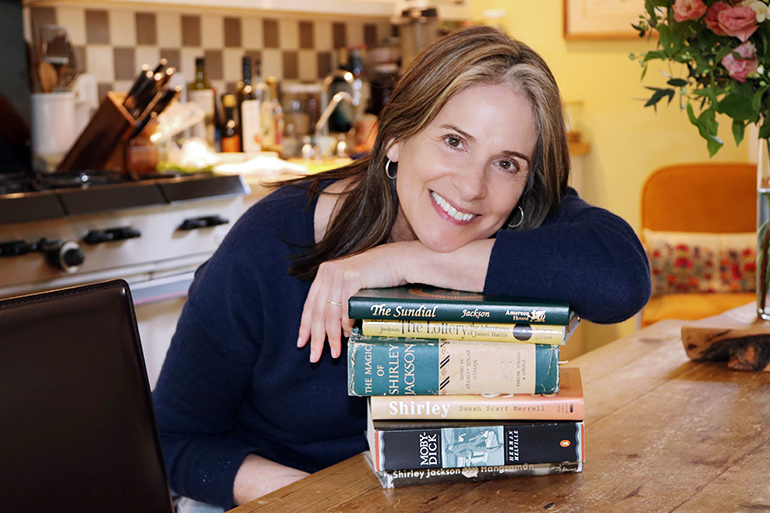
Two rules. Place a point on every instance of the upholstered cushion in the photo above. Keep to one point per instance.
(737, 262)
(684, 262)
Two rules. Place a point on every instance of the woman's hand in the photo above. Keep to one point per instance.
(325, 314)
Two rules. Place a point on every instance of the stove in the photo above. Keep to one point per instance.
(63, 230)
(152, 231)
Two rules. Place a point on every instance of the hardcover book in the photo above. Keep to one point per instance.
(400, 478)
(568, 404)
(481, 331)
(400, 445)
(422, 302)
(413, 366)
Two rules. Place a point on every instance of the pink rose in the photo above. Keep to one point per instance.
(739, 69)
(712, 18)
(739, 21)
(688, 9)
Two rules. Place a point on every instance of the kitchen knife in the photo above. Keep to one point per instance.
(145, 96)
(161, 66)
(129, 100)
(167, 73)
(165, 97)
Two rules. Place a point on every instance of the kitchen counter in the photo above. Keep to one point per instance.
(260, 184)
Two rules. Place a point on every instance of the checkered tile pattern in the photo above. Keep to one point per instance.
(113, 43)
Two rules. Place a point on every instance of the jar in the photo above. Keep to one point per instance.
(301, 106)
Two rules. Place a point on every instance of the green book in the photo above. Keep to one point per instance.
(426, 303)
(412, 366)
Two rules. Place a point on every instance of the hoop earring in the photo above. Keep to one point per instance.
(387, 171)
(512, 226)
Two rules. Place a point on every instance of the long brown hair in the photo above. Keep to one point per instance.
(471, 56)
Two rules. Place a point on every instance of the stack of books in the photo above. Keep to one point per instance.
(463, 386)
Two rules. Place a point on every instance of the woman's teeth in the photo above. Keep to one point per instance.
(449, 209)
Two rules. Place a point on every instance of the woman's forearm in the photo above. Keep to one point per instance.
(462, 269)
(258, 476)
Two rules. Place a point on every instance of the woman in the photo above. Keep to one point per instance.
(466, 188)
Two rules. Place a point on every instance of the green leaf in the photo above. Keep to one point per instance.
(677, 82)
(658, 95)
(756, 104)
(739, 128)
(691, 115)
(655, 54)
(764, 130)
(711, 92)
(707, 127)
(737, 106)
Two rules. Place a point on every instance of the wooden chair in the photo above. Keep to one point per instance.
(698, 199)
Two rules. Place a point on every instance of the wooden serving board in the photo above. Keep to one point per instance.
(738, 336)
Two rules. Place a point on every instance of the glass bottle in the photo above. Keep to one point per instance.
(272, 118)
(231, 139)
(251, 93)
(200, 92)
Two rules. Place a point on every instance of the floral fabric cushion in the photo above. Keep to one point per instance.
(701, 262)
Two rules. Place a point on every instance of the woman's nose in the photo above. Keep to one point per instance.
(471, 181)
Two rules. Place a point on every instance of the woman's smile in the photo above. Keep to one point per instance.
(446, 209)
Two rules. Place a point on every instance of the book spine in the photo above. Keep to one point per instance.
(382, 366)
(484, 332)
(478, 407)
(400, 309)
(475, 446)
(399, 478)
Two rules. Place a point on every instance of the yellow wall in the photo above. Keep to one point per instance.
(627, 140)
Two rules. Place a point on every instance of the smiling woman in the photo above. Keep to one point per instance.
(465, 188)
(462, 175)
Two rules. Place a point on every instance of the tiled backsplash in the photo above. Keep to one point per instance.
(112, 43)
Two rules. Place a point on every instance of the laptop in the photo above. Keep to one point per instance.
(77, 425)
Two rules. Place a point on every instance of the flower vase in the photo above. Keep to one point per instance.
(763, 229)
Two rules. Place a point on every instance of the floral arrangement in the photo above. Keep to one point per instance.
(724, 51)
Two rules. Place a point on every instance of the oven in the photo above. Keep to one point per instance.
(64, 230)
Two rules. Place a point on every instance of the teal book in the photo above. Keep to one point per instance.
(411, 366)
(426, 303)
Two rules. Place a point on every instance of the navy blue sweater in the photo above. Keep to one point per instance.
(234, 382)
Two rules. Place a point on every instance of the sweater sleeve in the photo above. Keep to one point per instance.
(581, 254)
(208, 371)
(204, 378)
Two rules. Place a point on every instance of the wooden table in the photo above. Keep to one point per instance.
(663, 434)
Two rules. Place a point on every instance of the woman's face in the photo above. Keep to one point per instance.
(460, 177)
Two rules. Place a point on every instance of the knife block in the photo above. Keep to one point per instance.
(104, 141)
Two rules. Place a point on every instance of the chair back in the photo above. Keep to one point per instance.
(77, 426)
(708, 197)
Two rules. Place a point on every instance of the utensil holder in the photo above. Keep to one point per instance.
(104, 140)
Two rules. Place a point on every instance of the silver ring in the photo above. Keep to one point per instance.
(334, 303)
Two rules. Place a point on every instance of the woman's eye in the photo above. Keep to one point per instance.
(508, 165)
(453, 141)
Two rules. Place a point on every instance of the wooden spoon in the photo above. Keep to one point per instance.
(48, 77)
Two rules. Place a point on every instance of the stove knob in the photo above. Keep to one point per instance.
(71, 256)
(67, 256)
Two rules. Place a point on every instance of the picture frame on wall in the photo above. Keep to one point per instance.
(601, 19)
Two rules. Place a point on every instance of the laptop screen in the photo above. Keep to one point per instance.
(77, 427)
